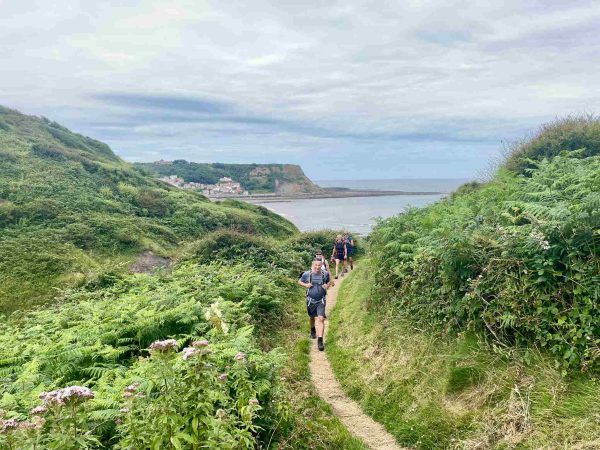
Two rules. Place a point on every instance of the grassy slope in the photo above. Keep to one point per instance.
(72, 212)
(73, 216)
(210, 174)
(432, 391)
(97, 336)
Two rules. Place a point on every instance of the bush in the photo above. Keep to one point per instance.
(8, 213)
(516, 259)
(233, 246)
(569, 134)
(101, 338)
(290, 256)
(153, 203)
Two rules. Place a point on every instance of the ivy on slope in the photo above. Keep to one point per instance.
(517, 259)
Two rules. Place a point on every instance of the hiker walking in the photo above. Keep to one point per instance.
(320, 257)
(316, 282)
(339, 253)
(350, 248)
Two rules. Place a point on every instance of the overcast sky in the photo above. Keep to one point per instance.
(349, 89)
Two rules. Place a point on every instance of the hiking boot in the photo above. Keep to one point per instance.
(320, 344)
(342, 274)
(346, 270)
(336, 277)
(351, 266)
(313, 333)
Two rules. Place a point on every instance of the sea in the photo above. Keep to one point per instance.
(359, 214)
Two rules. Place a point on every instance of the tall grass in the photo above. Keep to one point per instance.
(434, 390)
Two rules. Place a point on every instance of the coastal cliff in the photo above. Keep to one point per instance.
(255, 178)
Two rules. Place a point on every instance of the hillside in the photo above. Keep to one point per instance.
(73, 213)
(255, 178)
(210, 353)
(476, 321)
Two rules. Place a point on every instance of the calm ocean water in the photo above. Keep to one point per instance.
(358, 214)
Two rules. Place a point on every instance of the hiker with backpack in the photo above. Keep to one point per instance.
(320, 257)
(339, 254)
(350, 248)
(316, 282)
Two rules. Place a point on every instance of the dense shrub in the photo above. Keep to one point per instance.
(568, 134)
(153, 203)
(206, 395)
(290, 256)
(233, 246)
(517, 259)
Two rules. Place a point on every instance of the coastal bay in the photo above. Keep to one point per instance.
(358, 213)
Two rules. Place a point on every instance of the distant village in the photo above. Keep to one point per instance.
(224, 187)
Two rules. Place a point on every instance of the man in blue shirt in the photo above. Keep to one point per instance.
(316, 282)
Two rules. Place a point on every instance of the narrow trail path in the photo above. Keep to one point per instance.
(372, 433)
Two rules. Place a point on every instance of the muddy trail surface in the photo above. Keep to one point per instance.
(372, 433)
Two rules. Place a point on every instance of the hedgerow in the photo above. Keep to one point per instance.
(578, 132)
(517, 259)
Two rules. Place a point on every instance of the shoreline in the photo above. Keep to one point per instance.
(326, 193)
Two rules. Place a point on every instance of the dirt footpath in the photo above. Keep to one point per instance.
(358, 423)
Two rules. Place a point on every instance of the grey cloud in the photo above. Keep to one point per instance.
(408, 83)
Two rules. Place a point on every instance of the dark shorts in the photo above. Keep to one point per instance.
(340, 256)
(315, 309)
(350, 250)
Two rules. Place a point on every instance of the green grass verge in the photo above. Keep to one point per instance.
(313, 424)
(434, 391)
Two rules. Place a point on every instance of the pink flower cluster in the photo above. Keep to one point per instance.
(9, 425)
(241, 356)
(164, 346)
(197, 348)
(38, 410)
(63, 396)
(130, 390)
(188, 352)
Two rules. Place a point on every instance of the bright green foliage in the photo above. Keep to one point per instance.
(100, 339)
(290, 256)
(72, 218)
(70, 209)
(252, 177)
(436, 390)
(568, 134)
(517, 258)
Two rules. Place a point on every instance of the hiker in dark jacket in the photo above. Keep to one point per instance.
(350, 247)
(339, 254)
(316, 282)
